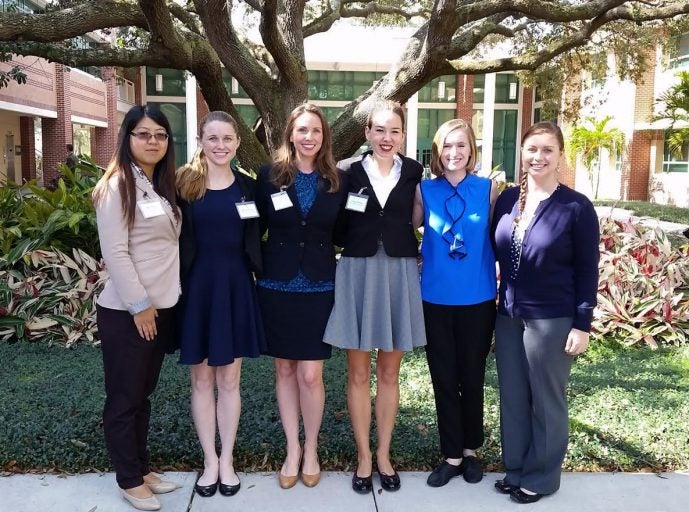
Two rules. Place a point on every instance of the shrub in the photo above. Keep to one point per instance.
(52, 299)
(642, 293)
(38, 218)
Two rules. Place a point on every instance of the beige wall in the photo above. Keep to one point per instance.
(9, 124)
(88, 96)
(38, 91)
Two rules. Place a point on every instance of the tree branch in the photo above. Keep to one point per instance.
(68, 23)
(323, 22)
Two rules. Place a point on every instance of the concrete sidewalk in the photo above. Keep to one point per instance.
(589, 492)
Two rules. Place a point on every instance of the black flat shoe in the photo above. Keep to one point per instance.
(229, 490)
(443, 474)
(389, 482)
(521, 497)
(504, 487)
(206, 491)
(471, 469)
(362, 484)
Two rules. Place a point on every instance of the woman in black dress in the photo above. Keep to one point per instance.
(219, 318)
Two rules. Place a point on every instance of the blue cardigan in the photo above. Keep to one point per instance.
(558, 271)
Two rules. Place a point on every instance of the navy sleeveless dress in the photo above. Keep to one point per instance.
(219, 315)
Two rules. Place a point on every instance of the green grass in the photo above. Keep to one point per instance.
(628, 411)
(646, 209)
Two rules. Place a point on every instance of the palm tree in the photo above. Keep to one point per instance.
(590, 140)
(675, 102)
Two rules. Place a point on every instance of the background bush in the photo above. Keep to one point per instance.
(32, 217)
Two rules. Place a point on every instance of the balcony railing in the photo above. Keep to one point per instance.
(125, 91)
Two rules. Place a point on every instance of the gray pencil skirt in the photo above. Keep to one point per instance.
(377, 304)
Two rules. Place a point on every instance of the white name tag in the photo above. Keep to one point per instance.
(281, 200)
(356, 202)
(150, 208)
(247, 210)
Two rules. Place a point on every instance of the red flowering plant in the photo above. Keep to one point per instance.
(643, 291)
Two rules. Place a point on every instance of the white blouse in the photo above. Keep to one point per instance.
(382, 185)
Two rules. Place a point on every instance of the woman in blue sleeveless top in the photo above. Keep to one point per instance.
(458, 288)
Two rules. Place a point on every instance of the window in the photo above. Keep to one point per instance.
(439, 90)
(680, 58)
(340, 85)
(673, 162)
(173, 82)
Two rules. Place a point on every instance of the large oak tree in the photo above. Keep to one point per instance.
(201, 35)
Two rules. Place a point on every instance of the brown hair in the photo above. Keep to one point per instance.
(284, 167)
(121, 165)
(192, 177)
(536, 129)
(439, 140)
(386, 106)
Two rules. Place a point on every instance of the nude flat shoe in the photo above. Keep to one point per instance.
(163, 487)
(150, 503)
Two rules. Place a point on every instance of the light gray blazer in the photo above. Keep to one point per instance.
(143, 261)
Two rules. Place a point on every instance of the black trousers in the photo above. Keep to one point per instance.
(458, 342)
(132, 367)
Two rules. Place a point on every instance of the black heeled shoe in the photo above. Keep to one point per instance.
(362, 484)
(521, 497)
(389, 482)
(504, 487)
(206, 491)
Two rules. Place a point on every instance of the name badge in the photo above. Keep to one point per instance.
(247, 210)
(281, 200)
(357, 202)
(150, 208)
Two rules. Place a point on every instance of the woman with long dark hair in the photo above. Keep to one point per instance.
(138, 226)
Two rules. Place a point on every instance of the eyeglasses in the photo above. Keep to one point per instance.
(146, 136)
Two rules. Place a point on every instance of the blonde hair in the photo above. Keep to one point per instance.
(439, 140)
(192, 178)
(284, 167)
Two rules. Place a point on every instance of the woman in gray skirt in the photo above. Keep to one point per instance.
(377, 293)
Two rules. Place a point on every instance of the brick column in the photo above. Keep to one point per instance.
(104, 140)
(464, 97)
(28, 144)
(636, 162)
(57, 132)
(201, 105)
(527, 110)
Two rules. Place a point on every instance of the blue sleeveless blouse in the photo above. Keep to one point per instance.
(458, 260)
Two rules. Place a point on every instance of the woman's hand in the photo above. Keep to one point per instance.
(577, 342)
(145, 322)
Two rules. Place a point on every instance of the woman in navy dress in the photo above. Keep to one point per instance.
(219, 317)
(300, 197)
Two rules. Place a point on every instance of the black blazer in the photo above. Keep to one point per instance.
(252, 239)
(391, 224)
(294, 243)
